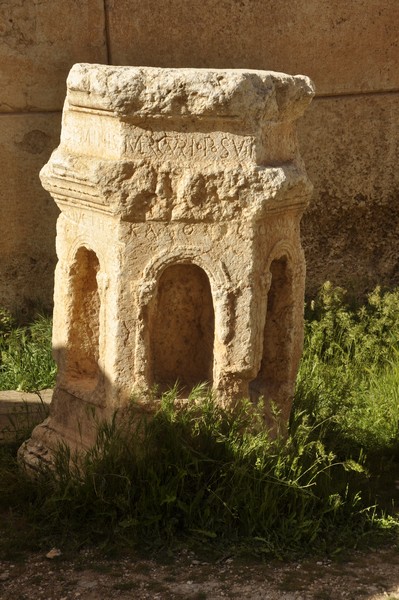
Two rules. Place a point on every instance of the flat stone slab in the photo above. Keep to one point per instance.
(20, 411)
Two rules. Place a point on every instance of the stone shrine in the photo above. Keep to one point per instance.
(179, 257)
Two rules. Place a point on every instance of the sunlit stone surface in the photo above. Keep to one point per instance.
(179, 257)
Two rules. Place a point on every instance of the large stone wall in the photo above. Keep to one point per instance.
(349, 138)
(39, 41)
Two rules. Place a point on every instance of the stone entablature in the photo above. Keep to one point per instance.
(148, 136)
(181, 193)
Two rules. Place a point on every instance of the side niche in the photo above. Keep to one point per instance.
(277, 340)
(82, 353)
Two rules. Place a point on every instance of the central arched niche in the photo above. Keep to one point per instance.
(182, 329)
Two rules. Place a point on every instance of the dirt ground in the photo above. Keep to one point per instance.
(368, 576)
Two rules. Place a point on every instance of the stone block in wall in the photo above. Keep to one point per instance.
(343, 46)
(28, 214)
(351, 228)
(39, 42)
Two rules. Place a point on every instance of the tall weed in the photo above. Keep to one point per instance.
(206, 473)
(349, 370)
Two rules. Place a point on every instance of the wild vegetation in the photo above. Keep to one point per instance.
(26, 363)
(212, 476)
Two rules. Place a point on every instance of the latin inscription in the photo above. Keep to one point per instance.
(190, 146)
(103, 138)
(86, 219)
(91, 135)
(93, 142)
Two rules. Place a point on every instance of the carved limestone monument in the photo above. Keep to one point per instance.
(179, 258)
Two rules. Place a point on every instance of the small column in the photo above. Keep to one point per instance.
(181, 193)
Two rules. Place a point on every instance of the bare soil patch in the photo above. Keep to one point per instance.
(89, 576)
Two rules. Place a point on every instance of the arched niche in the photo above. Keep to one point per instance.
(82, 352)
(182, 327)
(277, 335)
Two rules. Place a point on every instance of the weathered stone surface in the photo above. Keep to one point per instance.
(28, 214)
(178, 243)
(39, 42)
(351, 229)
(344, 47)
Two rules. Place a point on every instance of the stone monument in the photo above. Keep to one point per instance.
(179, 257)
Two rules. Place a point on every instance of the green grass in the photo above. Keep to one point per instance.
(211, 476)
(349, 372)
(201, 473)
(26, 362)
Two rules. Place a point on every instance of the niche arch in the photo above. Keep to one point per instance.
(217, 273)
(220, 290)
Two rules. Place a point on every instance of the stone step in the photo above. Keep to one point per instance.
(20, 412)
